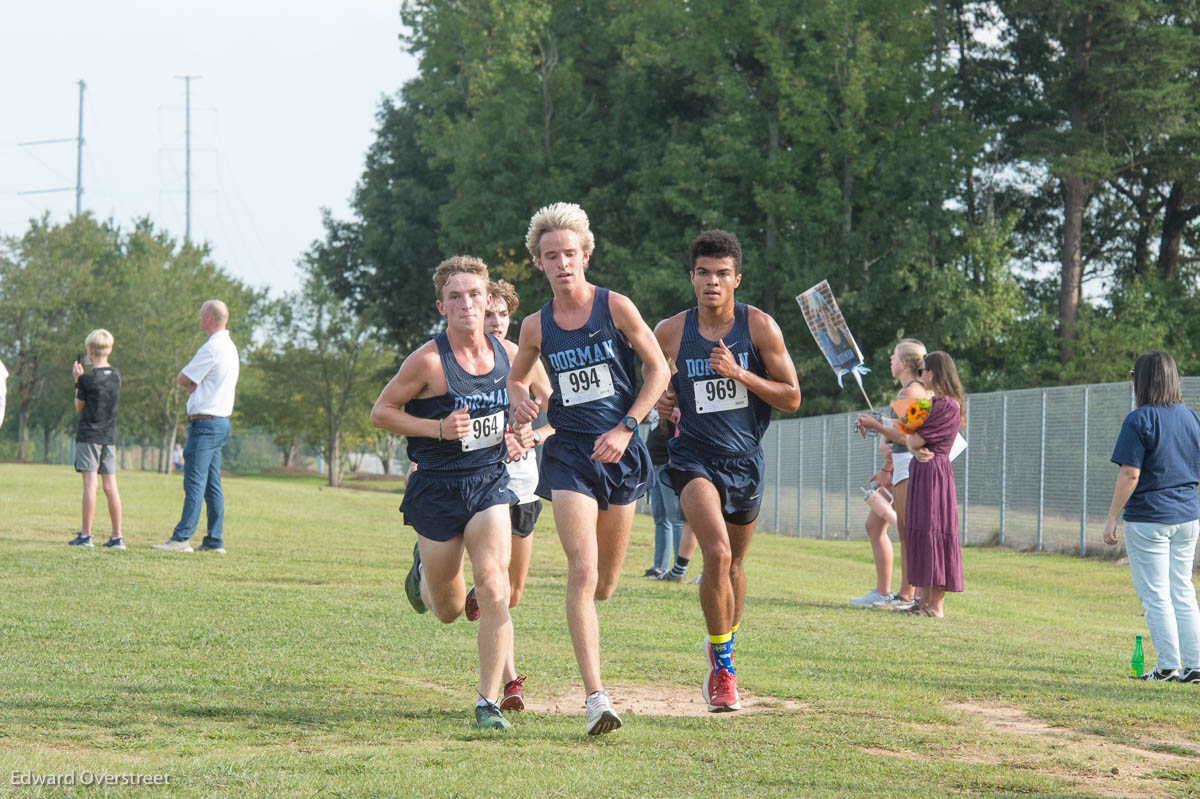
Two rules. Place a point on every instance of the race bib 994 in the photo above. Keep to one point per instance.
(584, 385)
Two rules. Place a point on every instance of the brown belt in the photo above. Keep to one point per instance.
(196, 416)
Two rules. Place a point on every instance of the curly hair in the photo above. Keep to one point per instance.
(717, 244)
(458, 265)
(505, 292)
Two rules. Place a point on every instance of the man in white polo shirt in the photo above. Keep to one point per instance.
(210, 377)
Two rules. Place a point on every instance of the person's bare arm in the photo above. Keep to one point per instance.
(914, 390)
(413, 378)
(77, 372)
(186, 382)
(520, 374)
(667, 333)
(916, 445)
(610, 446)
(1127, 480)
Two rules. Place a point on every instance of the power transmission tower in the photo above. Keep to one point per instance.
(78, 189)
(187, 93)
(79, 153)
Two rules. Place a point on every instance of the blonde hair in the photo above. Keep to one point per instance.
(559, 216)
(911, 352)
(505, 292)
(99, 341)
(458, 265)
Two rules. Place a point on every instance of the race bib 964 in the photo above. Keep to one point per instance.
(486, 431)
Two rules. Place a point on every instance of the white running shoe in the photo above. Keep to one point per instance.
(870, 598)
(171, 545)
(601, 717)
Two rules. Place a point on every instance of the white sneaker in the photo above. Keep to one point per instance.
(601, 718)
(870, 598)
(171, 545)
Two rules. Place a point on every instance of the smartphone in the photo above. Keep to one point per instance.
(79, 358)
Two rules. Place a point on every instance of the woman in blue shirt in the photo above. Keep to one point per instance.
(1158, 450)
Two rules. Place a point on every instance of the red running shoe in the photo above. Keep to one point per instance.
(513, 695)
(720, 690)
(471, 608)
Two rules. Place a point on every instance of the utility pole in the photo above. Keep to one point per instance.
(78, 157)
(187, 93)
(79, 153)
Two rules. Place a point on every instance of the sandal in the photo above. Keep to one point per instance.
(921, 610)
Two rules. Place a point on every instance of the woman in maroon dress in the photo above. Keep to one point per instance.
(931, 518)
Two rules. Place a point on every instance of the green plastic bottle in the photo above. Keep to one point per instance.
(1137, 662)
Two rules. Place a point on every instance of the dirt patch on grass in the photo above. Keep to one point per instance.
(1092, 762)
(665, 700)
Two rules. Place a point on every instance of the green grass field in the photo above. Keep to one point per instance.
(294, 666)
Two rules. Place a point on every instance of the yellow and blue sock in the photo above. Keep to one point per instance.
(722, 649)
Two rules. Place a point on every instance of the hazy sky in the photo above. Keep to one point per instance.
(282, 115)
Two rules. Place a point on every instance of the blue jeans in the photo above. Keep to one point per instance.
(1160, 561)
(202, 479)
(668, 524)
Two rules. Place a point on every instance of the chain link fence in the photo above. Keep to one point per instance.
(1036, 473)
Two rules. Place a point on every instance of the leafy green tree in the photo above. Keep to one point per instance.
(48, 298)
(340, 364)
(274, 398)
(1088, 84)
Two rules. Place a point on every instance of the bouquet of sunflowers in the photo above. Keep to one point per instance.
(911, 413)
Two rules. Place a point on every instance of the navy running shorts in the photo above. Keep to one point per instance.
(524, 517)
(567, 465)
(738, 477)
(438, 505)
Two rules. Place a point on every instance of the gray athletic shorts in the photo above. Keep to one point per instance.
(100, 458)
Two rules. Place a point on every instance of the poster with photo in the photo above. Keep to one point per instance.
(830, 330)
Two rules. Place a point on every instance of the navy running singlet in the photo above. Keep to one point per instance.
(592, 371)
(487, 398)
(714, 411)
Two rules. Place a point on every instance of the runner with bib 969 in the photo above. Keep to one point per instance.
(730, 369)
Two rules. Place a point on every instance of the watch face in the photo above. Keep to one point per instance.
(630, 422)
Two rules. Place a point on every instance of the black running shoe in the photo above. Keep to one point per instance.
(1159, 675)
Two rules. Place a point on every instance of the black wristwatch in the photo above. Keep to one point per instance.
(630, 423)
